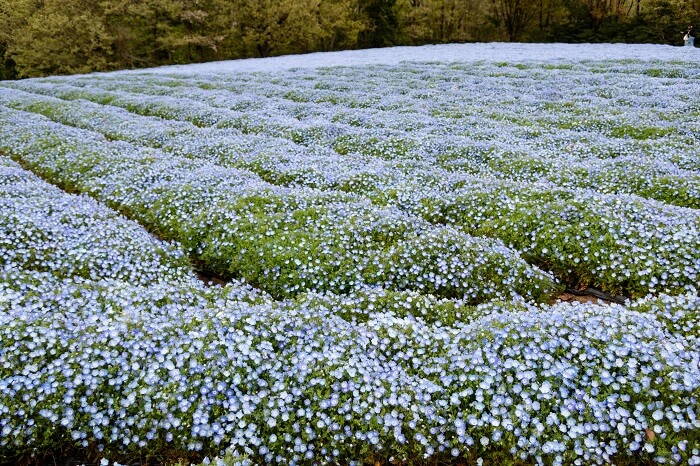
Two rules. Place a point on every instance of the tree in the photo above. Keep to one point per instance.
(194, 30)
(151, 32)
(340, 22)
(440, 21)
(550, 14)
(61, 37)
(42, 37)
(274, 27)
(382, 23)
(661, 21)
(514, 16)
(14, 15)
(598, 11)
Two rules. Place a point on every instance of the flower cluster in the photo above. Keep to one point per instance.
(416, 135)
(618, 243)
(401, 230)
(44, 229)
(284, 240)
(130, 368)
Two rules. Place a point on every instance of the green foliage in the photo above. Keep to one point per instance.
(77, 36)
(515, 15)
(60, 38)
(7, 65)
(274, 27)
(383, 23)
(637, 132)
(13, 15)
(442, 21)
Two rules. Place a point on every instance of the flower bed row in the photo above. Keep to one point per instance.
(155, 367)
(154, 370)
(43, 229)
(613, 255)
(283, 240)
(622, 244)
(575, 143)
(108, 343)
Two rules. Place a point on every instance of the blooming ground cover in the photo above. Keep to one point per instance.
(394, 235)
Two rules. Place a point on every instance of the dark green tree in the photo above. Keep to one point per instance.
(442, 21)
(382, 23)
(61, 37)
(263, 28)
(14, 15)
(662, 21)
(153, 32)
(515, 16)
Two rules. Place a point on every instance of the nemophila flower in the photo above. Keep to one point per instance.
(387, 208)
(44, 229)
(303, 231)
(187, 124)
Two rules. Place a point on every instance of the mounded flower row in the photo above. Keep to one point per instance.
(43, 229)
(97, 353)
(166, 368)
(614, 253)
(574, 138)
(614, 242)
(155, 364)
(283, 240)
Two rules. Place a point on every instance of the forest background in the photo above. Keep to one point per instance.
(47, 37)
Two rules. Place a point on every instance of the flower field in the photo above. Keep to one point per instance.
(394, 233)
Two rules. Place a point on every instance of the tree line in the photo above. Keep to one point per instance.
(47, 37)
